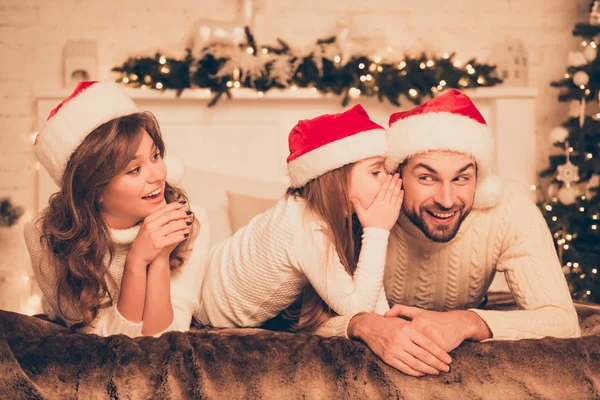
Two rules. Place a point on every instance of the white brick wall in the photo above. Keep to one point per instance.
(33, 34)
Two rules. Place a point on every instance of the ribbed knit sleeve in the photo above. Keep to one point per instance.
(535, 278)
(109, 322)
(338, 326)
(344, 293)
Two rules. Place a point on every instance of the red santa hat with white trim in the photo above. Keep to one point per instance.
(449, 122)
(90, 105)
(330, 141)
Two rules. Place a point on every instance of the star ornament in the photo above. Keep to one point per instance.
(567, 173)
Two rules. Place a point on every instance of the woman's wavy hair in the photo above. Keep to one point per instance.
(327, 198)
(73, 228)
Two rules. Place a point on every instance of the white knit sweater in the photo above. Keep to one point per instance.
(264, 267)
(512, 238)
(185, 281)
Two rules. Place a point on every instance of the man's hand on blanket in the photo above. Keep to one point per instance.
(447, 329)
(399, 344)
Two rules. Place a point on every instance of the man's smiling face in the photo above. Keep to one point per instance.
(439, 192)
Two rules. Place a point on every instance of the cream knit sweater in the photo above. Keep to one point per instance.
(511, 238)
(263, 268)
(185, 281)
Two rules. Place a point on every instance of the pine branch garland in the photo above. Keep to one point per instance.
(415, 78)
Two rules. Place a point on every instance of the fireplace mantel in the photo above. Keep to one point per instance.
(497, 92)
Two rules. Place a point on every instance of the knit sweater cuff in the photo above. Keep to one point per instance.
(555, 321)
(172, 327)
(336, 326)
(118, 324)
(374, 232)
(500, 329)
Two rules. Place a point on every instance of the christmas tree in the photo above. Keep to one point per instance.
(572, 204)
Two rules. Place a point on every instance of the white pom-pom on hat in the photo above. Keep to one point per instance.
(175, 169)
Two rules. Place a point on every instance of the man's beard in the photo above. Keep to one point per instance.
(440, 233)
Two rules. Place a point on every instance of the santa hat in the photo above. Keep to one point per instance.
(90, 105)
(322, 144)
(448, 122)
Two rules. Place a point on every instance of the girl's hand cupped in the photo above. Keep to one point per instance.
(385, 209)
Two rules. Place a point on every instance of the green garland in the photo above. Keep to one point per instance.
(414, 77)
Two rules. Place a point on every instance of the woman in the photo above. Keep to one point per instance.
(116, 251)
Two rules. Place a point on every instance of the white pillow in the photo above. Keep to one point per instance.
(209, 191)
(242, 208)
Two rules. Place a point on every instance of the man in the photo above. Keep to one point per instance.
(458, 227)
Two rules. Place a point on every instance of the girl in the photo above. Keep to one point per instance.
(307, 240)
(117, 250)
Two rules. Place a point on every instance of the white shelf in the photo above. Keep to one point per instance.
(275, 94)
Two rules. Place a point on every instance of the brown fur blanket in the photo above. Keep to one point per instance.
(41, 360)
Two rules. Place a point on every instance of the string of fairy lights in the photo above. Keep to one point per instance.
(563, 238)
(148, 81)
(326, 68)
(570, 213)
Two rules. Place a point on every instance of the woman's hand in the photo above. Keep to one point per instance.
(160, 233)
(385, 209)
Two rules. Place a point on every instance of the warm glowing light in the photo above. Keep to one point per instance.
(354, 92)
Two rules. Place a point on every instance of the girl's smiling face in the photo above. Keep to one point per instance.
(138, 190)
